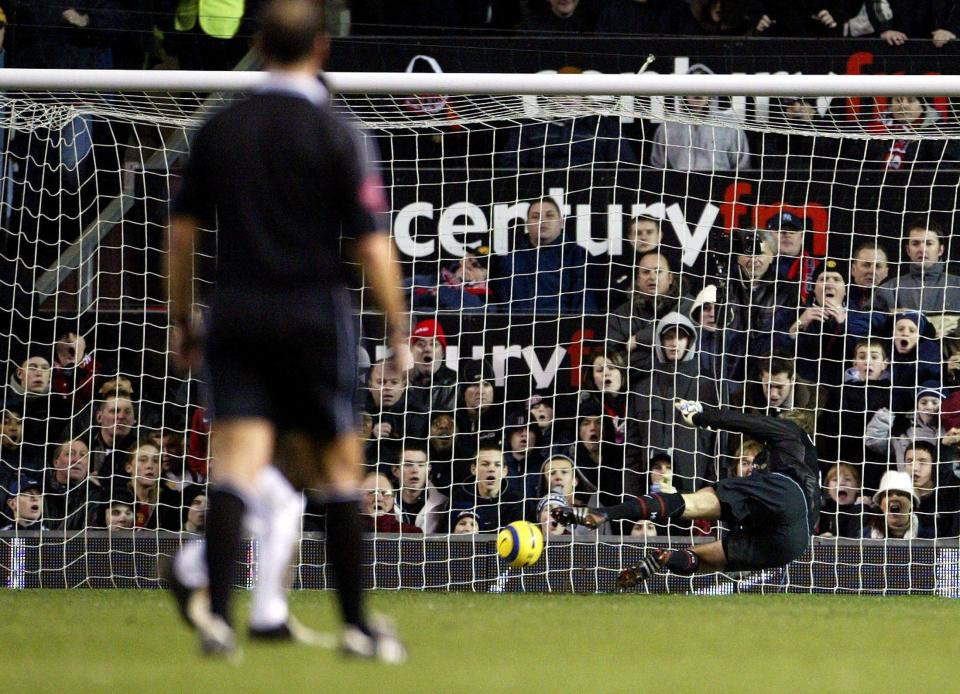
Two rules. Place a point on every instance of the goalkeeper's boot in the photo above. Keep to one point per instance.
(292, 631)
(649, 566)
(378, 642)
(588, 517)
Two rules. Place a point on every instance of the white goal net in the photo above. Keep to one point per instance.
(573, 264)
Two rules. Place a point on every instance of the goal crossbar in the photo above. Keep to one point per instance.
(646, 84)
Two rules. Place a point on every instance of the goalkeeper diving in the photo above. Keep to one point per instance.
(772, 513)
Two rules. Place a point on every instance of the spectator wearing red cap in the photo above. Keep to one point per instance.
(430, 383)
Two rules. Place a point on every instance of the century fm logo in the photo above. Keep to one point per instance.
(464, 225)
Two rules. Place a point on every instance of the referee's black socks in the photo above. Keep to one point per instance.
(655, 507)
(224, 520)
(344, 544)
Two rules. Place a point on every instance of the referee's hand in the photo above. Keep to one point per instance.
(400, 355)
(186, 344)
(398, 340)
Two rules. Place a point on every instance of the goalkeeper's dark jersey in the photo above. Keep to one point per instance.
(787, 449)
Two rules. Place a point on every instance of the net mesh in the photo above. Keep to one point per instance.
(548, 345)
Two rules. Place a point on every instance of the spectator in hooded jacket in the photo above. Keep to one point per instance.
(892, 434)
(654, 422)
(522, 455)
(703, 313)
(925, 285)
(698, 146)
(546, 271)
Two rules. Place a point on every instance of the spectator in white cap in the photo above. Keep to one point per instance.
(896, 499)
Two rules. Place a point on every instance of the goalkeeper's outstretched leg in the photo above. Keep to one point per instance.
(703, 504)
(772, 513)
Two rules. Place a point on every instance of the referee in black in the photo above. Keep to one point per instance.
(286, 183)
(772, 513)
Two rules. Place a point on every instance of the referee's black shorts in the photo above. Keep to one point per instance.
(768, 514)
(290, 359)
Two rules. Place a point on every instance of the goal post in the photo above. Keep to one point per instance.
(522, 207)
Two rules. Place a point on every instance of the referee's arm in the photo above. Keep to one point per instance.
(182, 239)
(376, 253)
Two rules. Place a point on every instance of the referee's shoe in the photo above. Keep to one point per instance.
(217, 638)
(379, 641)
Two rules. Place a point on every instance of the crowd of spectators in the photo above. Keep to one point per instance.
(135, 34)
(863, 357)
(125, 34)
(867, 362)
(894, 21)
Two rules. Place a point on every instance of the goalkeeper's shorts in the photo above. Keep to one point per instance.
(768, 514)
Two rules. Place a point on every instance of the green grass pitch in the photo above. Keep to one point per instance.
(102, 641)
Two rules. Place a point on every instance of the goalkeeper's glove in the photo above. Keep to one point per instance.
(687, 409)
